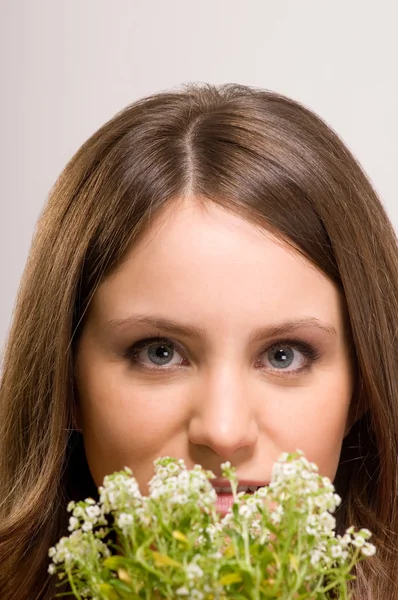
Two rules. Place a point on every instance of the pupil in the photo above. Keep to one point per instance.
(283, 358)
(160, 353)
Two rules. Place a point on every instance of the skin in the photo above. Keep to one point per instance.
(222, 397)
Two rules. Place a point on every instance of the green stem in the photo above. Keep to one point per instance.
(71, 583)
(246, 546)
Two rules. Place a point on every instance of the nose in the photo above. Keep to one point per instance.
(224, 416)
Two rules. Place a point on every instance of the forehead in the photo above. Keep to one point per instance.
(201, 259)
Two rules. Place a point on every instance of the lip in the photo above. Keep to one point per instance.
(225, 499)
(245, 482)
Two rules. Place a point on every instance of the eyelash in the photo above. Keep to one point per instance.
(311, 353)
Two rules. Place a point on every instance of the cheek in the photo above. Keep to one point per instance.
(125, 423)
(314, 421)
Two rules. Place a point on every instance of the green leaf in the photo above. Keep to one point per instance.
(115, 562)
(162, 560)
(177, 535)
(121, 586)
(124, 575)
(229, 551)
(247, 579)
(107, 589)
(294, 562)
(124, 590)
(277, 560)
(230, 578)
(105, 574)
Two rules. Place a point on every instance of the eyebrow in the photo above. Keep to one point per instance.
(175, 328)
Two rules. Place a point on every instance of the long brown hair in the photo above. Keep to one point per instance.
(265, 158)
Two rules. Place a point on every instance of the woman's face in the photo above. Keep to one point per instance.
(246, 358)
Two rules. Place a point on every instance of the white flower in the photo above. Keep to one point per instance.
(180, 499)
(194, 571)
(277, 514)
(290, 470)
(365, 533)
(315, 557)
(124, 522)
(78, 512)
(346, 539)
(312, 525)
(336, 551)
(326, 521)
(172, 469)
(182, 591)
(93, 512)
(73, 523)
(358, 542)
(119, 492)
(244, 511)
(196, 595)
(261, 492)
(368, 549)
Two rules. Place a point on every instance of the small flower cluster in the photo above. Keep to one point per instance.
(86, 515)
(175, 486)
(279, 541)
(298, 494)
(315, 499)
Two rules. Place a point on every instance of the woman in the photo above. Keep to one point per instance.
(213, 278)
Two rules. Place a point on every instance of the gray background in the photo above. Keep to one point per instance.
(68, 65)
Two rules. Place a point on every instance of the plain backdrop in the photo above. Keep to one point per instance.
(67, 66)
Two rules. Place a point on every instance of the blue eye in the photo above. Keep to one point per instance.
(283, 356)
(160, 352)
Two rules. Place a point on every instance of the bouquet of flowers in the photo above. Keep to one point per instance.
(276, 542)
